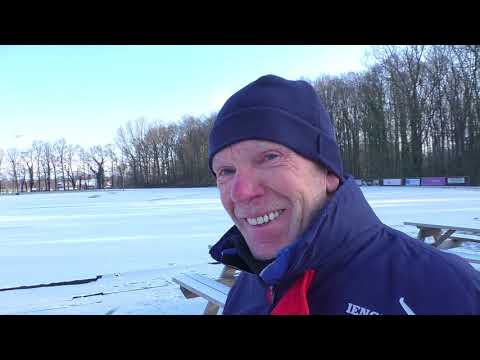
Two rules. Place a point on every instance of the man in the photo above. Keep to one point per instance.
(305, 238)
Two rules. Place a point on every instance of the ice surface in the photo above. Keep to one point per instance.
(52, 237)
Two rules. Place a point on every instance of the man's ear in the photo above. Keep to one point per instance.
(332, 182)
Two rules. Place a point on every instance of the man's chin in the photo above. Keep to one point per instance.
(264, 255)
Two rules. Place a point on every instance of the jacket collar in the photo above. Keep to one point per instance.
(333, 235)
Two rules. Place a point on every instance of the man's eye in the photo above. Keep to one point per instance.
(225, 172)
(270, 156)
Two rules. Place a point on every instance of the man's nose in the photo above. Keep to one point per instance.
(246, 186)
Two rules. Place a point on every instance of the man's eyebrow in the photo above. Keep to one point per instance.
(216, 161)
(275, 148)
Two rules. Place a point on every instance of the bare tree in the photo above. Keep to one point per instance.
(127, 147)
(13, 157)
(28, 161)
(22, 172)
(122, 167)
(54, 160)
(83, 168)
(59, 150)
(113, 157)
(97, 155)
(37, 148)
(46, 162)
(71, 152)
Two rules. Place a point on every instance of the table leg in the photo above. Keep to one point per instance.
(426, 232)
(211, 309)
(227, 277)
(423, 233)
(440, 239)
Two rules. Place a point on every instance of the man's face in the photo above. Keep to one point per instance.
(270, 192)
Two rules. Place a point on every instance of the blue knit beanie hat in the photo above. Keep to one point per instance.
(282, 111)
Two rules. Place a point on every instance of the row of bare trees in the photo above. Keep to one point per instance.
(414, 112)
(145, 155)
(166, 155)
(55, 166)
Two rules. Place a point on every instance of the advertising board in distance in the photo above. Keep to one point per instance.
(458, 180)
(433, 181)
(392, 182)
(412, 182)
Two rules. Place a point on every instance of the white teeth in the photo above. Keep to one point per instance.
(265, 218)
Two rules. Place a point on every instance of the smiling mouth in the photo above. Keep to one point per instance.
(265, 219)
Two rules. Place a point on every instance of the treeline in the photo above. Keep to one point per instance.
(55, 166)
(166, 155)
(414, 112)
(144, 155)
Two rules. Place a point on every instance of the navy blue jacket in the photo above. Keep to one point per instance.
(361, 267)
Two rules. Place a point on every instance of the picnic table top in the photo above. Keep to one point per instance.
(207, 288)
(443, 226)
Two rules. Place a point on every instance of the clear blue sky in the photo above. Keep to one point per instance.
(85, 93)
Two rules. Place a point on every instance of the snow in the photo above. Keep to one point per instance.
(139, 239)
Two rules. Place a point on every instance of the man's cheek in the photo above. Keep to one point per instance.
(224, 199)
(228, 206)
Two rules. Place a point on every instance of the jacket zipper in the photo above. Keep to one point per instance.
(271, 295)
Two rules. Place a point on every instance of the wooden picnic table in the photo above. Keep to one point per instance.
(443, 234)
(215, 291)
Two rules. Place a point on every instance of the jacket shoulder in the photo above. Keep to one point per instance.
(440, 280)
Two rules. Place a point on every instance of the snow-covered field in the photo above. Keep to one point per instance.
(138, 239)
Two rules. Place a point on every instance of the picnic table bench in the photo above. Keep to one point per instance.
(215, 291)
(443, 234)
